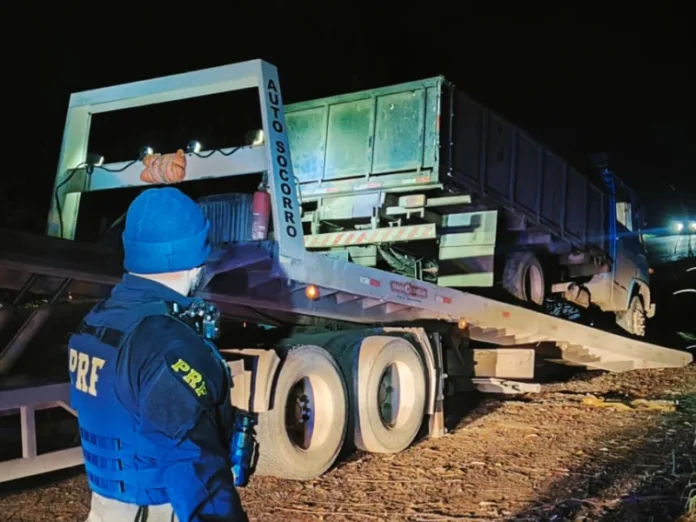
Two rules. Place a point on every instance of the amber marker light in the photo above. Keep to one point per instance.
(312, 292)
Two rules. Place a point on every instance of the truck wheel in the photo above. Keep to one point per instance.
(303, 433)
(635, 317)
(523, 277)
(388, 394)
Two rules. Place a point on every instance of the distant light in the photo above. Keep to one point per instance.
(194, 147)
(462, 324)
(95, 160)
(146, 151)
(678, 226)
(692, 226)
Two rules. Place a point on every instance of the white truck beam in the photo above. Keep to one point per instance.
(27, 400)
(229, 162)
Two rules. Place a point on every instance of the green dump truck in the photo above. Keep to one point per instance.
(422, 180)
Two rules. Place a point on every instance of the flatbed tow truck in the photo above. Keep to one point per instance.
(372, 353)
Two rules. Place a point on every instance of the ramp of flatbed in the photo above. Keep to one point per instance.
(352, 292)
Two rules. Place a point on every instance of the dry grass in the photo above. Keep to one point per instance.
(690, 515)
(550, 456)
(690, 489)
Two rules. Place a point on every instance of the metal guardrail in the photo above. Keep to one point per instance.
(28, 400)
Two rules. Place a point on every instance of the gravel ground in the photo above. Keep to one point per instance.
(601, 447)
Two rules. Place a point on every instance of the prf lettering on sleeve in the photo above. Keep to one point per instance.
(191, 377)
(86, 370)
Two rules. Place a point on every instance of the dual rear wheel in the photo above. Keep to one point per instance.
(370, 394)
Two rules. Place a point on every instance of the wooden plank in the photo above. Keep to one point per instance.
(504, 363)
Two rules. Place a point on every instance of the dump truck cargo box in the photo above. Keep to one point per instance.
(426, 133)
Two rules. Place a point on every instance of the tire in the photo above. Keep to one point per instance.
(284, 451)
(376, 430)
(633, 320)
(523, 277)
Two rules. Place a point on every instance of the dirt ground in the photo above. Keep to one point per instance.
(601, 447)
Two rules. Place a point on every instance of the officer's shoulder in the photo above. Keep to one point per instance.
(163, 326)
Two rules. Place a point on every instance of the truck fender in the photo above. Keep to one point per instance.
(422, 344)
(253, 375)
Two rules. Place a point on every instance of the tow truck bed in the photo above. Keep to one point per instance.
(255, 275)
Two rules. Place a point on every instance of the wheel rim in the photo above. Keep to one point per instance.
(388, 396)
(308, 414)
(395, 399)
(638, 318)
(534, 285)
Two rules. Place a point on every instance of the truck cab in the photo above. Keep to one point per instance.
(623, 285)
(631, 284)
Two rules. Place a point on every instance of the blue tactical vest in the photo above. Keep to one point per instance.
(120, 463)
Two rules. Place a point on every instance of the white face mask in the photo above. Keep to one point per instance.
(196, 278)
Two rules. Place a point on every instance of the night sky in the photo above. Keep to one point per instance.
(580, 80)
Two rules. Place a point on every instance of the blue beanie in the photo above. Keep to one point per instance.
(165, 232)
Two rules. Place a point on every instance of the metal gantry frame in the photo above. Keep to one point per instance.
(273, 157)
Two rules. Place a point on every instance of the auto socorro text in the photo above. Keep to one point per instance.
(287, 215)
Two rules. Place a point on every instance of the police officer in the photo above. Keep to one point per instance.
(152, 396)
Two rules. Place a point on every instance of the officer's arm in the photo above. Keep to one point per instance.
(178, 390)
